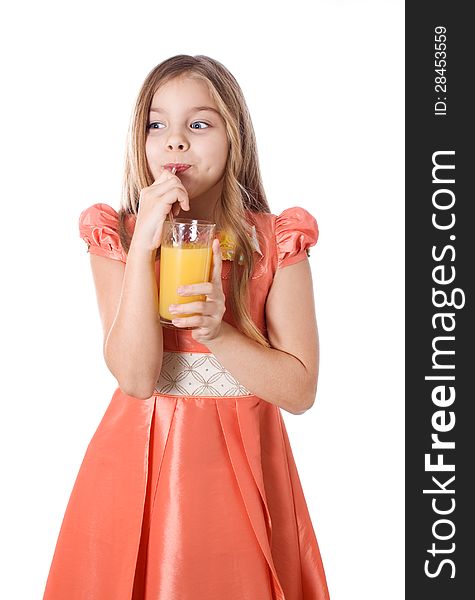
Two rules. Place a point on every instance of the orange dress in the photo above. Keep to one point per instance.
(193, 493)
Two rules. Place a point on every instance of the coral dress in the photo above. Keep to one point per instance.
(193, 493)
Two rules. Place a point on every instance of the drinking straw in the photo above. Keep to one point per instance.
(170, 214)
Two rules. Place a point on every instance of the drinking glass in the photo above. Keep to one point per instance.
(185, 258)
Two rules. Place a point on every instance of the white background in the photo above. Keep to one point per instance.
(324, 84)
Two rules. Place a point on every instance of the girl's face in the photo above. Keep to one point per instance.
(185, 127)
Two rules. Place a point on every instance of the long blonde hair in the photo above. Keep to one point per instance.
(242, 184)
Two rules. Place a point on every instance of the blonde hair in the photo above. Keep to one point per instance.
(242, 184)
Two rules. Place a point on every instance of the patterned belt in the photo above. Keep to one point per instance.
(196, 374)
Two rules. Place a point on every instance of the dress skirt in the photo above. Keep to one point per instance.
(187, 498)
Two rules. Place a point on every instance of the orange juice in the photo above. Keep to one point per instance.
(181, 266)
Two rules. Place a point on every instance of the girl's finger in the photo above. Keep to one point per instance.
(196, 321)
(163, 175)
(217, 263)
(204, 308)
(179, 196)
(193, 289)
(171, 183)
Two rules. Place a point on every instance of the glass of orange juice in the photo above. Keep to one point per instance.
(185, 258)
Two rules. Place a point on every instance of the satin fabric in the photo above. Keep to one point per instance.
(190, 497)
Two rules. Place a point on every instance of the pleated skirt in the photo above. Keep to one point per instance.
(187, 498)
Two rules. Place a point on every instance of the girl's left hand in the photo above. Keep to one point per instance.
(208, 323)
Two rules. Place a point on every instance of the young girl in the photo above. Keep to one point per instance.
(188, 489)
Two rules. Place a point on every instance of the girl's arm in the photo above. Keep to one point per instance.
(127, 294)
(128, 303)
(287, 373)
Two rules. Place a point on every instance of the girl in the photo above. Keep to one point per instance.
(188, 489)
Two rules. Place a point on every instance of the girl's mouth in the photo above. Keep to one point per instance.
(179, 167)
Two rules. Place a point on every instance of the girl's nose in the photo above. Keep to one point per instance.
(176, 146)
(177, 141)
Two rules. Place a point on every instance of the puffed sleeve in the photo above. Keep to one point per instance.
(98, 227)
(296, 230)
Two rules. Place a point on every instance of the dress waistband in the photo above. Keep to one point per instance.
(196, 374)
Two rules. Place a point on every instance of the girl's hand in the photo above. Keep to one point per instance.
(155, 203)
(208, 323)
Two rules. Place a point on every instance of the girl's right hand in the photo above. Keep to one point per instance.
(155, 203)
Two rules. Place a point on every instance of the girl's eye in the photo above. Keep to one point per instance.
(199, 122)
(152, 125)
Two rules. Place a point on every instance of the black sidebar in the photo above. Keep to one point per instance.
(440, 332)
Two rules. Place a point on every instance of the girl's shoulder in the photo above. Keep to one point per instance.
(99, 213)
(99, 228)
(288, 235)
